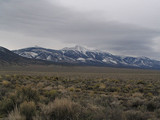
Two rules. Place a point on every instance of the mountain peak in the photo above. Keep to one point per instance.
(2, 49)
(77, 48)
(80, 48)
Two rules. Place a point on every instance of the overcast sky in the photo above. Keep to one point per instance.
(123, 27)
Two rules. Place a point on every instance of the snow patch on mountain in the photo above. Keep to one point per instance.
(49, 58)
(109, 60)
(28, 54)
(81, 59)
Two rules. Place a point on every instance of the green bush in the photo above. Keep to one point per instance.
(51, 94)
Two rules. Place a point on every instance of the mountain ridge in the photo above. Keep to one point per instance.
(83, 56)
(8, 57)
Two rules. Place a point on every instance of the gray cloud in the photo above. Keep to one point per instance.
(42, 19)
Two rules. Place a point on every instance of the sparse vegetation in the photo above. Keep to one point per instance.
(111, 94)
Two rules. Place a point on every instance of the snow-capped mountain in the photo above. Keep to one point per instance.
(81, 55)
(8, 57)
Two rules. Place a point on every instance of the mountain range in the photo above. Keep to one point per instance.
(79, 55)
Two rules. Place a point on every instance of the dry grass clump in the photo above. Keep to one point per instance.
(28, 109)
(15, 115)
(62, 109)
(6, 83)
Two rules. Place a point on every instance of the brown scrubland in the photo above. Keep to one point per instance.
(78, 93)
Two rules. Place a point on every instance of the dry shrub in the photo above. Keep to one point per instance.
(114, 113)
(151, 106)
(15, 115)
(62, 109)
(157, 113)
(135, 115)
(37, 117)
(6, 106)
(94, 112)
(28, 94)
(28, 109)
(136, 102)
